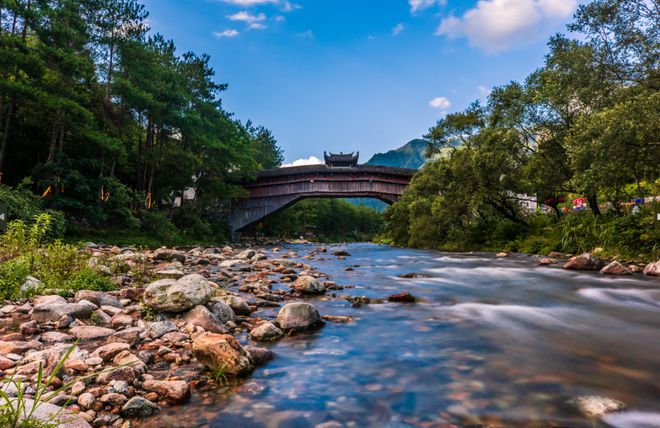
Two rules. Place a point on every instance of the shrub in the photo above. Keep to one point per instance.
(24, 205)
(61, 268)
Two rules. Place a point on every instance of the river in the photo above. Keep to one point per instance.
(492, 341)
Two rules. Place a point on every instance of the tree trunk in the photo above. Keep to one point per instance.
(593, 204)
(54, 138)
(5, 135)
(110, 60)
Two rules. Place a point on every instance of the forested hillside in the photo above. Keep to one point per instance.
(111, 125)
(581, 131)
(411, 155)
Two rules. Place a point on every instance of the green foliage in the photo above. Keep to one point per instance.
(101, 117)
(219, 374)
(326, 220)
(586, 123)
(61, 268)
(24, 205)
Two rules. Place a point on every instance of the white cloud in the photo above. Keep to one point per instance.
(496, 25)
(484, 91)
(247, 3)
(398, 29)
(417, 5)
(440, 103)
(247, 17)
(312, 160)
(257, 26)
(288, 6)
(309, 34)
(227, 33)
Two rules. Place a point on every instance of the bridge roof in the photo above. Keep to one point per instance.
(324, 169)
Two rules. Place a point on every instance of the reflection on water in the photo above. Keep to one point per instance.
(493, 341)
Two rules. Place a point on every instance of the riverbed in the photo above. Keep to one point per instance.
(490, 341)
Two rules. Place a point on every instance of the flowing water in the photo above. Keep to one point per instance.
(493, 341)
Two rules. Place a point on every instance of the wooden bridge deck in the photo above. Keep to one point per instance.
(277, 189)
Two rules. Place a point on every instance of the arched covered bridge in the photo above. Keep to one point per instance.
(341, 177)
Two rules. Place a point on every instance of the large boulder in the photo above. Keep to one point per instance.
(652, 269)
(52, 312)
(99, 298)
(585, 261)
(200, 316)
(308, 285)
(168, 295)
(299, 316)
(222, 352)
(615, 268)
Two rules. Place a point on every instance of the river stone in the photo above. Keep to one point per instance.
(404, 297)
(99, 298)
(222, 351)
(308, 285)
(299, 316)
(168, 255)
(51, 312)
(139, 407)
(594, 406)
(260, 356)
(109, 351)
(247, 254)
(18, 346)
(52, 414)
(175, 391)
(177, 296)
(615, 268)
(128, 335)
(159, 328)
(652, 269)
(31, 285)
(585, 261)
(200, 316)
(266, 331)
(223, 312)
(48, 299)
(89, 332)
(237, 304)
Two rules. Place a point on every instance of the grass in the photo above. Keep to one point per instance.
(61, 268)
(219, 374)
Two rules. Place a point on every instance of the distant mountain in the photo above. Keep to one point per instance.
(411, 155)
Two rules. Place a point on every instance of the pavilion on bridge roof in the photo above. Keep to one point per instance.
(341, 160)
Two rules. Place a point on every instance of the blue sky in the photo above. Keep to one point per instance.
(367, 75)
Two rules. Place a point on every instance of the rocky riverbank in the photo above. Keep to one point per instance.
(177, 321)
(127, 343)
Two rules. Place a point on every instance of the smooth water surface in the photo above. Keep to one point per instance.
(495, 341)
